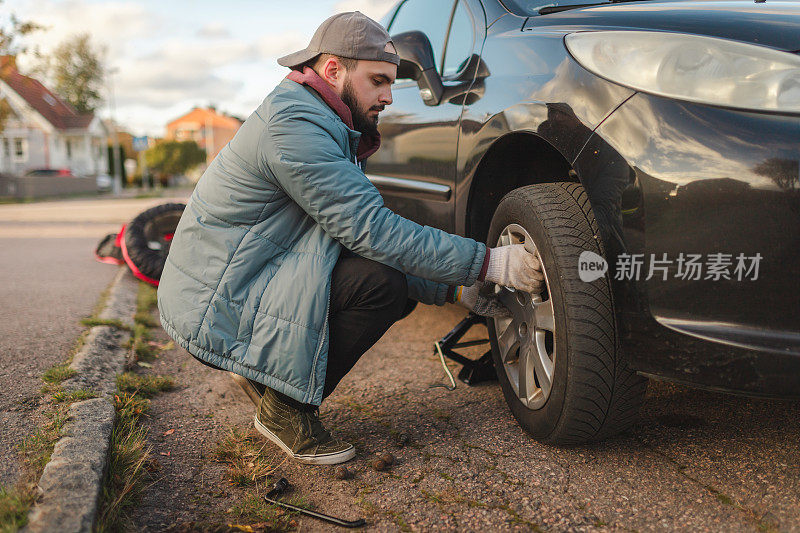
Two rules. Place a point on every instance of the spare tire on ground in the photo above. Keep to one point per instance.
(146, 240)
(109, 249)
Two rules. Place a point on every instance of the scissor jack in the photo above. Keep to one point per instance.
(474, 371)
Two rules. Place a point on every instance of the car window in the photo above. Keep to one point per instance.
(459, 41)
(430, 18)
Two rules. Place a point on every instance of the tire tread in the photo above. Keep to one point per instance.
(603, 394)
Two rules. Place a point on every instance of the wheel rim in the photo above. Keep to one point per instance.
(158, 227)
(527, 340)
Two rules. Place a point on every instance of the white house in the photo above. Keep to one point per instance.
(41, 131)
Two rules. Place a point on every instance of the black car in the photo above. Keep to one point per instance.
(648, 153)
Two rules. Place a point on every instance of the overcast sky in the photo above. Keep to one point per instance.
(170, 55)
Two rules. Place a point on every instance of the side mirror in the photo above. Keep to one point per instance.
(416, 63)
(474, 68)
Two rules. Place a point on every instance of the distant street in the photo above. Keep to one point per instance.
(50, 281)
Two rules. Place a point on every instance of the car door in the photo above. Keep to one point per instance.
(416, 165)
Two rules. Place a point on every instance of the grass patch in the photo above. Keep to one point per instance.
(130, 407)
(144, 385)
(113, 322)
(250, 467)
(142, 349)
(35, 452)
(58, 373)
(77, 395)
(36, 448)
(125, 477)
(14, 507)
(124, 480)
(145, 319)
(146, 298)
(254, 509)
(243, 452)
(102, 301)
(146, 301)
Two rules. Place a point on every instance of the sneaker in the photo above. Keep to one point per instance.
(299, 432)
(253, 389)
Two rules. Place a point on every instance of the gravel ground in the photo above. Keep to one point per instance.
(697, 461)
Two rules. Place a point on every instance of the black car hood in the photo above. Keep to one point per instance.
(774, 24)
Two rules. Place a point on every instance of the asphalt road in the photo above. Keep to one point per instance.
(50, 281)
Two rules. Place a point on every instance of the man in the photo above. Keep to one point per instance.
(286, 266)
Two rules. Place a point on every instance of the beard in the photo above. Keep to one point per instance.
(362, 122)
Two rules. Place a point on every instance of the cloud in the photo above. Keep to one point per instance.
(374, 9)
(183, 70)
(162, 87)
(111, 24)
(213, 31)
(276, 45)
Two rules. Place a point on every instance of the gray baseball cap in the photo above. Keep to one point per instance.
(352, 35)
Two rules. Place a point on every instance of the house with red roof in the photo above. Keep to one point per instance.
(208, 127)
(43, 132)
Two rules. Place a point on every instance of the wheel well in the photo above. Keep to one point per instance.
(503, 169)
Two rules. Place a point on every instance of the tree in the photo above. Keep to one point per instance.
(76, 70)
(169, 158)
(11, 30)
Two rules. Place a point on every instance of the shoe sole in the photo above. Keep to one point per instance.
(322, 459)
(247, 388)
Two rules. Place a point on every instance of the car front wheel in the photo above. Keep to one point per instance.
(556, 357)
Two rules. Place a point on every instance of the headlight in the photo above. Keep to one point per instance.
(691, 67)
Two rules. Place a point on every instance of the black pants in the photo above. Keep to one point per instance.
(366, 299)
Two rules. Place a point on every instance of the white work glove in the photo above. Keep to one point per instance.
(513, 266)
(480, 304)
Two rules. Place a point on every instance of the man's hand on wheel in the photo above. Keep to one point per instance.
(480, 304)
(513, 266)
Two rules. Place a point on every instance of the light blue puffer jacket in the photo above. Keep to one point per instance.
(246, 284)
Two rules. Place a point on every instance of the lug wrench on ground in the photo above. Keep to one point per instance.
(283, 484)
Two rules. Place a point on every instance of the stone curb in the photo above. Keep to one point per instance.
(71, 482)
